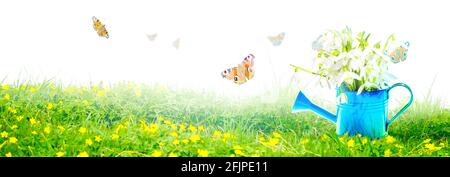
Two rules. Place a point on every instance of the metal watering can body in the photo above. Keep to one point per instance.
(365, 114)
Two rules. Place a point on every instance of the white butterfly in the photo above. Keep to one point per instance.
(277, 39)
(152, 37)
(176, 43)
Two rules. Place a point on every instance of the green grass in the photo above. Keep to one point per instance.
(125, 119)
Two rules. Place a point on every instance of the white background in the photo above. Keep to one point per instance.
(55, 39)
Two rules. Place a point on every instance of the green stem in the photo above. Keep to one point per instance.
(308, 71)
(387, 41)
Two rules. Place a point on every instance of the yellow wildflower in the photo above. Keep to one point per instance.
(176, 142)
(304, 141)
(32, 121)
(273, 141)
(390, 139)
(82, 130)
(185, 141)
(261, 139)
(138, 92)
(351, 143)
(100, 93)
(161, 143)
(60, 154)
(226, 136)
(427, 141)
(364, 141)
(114, 136)
(49, 106)
(387, 153)
(173, 126)
(201, 128)
(5, 87)
(239, 152)
(182, 127)
(153, 128)
(14, 127)
(7, 97)
(13, 140)
(32, 89)
(194, 138)
(89, 142)
(12, 110)
(83, 154)
(4, 134)
(8, 154)
(192, 129)
(19, 118)
(431, 147)
(324, 137)
(156, 153)
(276, 135)
(217, 134)
(174, 134)
(173, 154)
(98, 138)
(202, 153)
(167, 122)
(47, 130)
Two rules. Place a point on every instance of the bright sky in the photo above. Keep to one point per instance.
(46, 39)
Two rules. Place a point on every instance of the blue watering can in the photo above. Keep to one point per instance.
(365, 114)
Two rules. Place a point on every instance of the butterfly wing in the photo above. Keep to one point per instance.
(394, 57)
(100, 28)
(240, 76)
(242, 73)
(277, 39)
(400, 53)
(229, 73)
(248, 63)
(152, 37)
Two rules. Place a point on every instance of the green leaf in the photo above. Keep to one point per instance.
(377, 45)
(336, 52)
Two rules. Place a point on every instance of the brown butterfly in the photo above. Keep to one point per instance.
(100, 28)
(242, 73)
(399, 54)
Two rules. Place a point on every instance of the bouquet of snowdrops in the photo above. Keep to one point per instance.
(347, 58)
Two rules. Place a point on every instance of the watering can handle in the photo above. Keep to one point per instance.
(404, 107)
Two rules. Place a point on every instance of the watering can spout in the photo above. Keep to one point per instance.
(303, 104)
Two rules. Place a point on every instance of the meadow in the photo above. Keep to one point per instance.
(127, 119)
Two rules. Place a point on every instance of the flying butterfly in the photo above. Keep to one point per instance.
(100, 28)
(176, 43)
(242, 73)
(152, 37)
(399, 54)
(277, 39)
